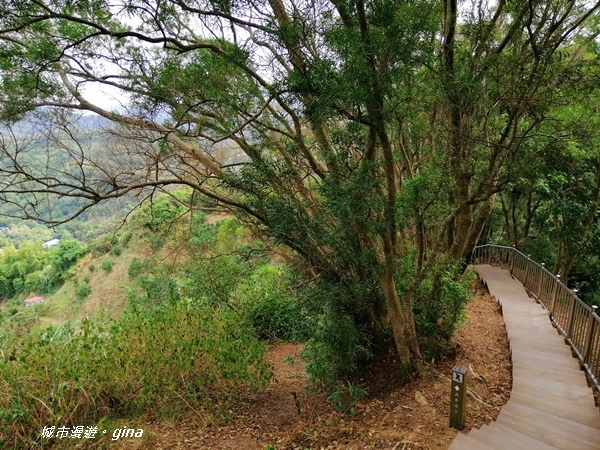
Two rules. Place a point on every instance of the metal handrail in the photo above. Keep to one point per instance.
(575, 320)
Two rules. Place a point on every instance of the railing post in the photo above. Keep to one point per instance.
(554, 294)
(589, 336)
(511, 260)
(527, 265)
(571, 316)
(539, 290)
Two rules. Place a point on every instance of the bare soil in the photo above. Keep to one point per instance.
(392, 416)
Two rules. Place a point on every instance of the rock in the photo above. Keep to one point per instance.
(421, 400)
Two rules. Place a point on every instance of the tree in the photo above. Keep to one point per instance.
(341, 114)
(557, 195)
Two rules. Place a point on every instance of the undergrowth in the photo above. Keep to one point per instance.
(173, 357)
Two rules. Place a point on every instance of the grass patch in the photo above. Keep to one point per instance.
(80, 373)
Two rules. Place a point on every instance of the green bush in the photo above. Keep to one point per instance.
(134, 268)
(101, 249)
(160, 212)
(271, 309)
(25, 270)
(65, 255)
(229, 233)
(156, 241)
(79, 374)
(202, 234)
(83, 290)
(107, 265)
(345, 396)
(158, 287)
(439, 308)
(335, 349)
(214, 281)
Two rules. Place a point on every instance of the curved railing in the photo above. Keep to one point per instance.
(575, 320)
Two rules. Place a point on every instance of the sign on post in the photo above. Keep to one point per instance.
(458, 398)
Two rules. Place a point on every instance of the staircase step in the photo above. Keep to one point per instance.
(545, 427)
(571, 402)
(501, 437)
(532, 369)
(464, 442)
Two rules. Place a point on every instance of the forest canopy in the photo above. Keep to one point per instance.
(372, 139)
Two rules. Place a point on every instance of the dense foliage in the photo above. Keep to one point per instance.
(33, 269)
(83, 373)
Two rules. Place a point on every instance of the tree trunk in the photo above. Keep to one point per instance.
(477, 227)
(403, 329)
(464, 219)
(400, 315)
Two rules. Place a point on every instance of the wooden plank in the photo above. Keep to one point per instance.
(502, 437)
(559, 391)
(532, 371)
(543, 337)
(464, 442)
(556, 431)
(577, 409)
(555, 348)
(543, 359)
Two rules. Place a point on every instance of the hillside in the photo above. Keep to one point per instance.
(413, 416)
(108, 287)
(106, 270)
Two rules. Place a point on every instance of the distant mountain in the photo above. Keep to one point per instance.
(91, 122)
(37, 124)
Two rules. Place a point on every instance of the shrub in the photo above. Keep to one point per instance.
(101, 249)
(344, 397)
(156, 241)
(335, 349)
(270, 307)
(134, 268)
(202, 234)
(160, 212)
(158, 287)
(439, 308)
(228, 235)
(213, 282)
(65, 255)
(24, 270)
(80, 374)
(83, 290)
(107, 265)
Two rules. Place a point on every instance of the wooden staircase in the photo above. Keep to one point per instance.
(551, 405)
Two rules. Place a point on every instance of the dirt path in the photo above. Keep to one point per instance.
(414, 416)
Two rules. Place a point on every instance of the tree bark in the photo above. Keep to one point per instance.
(401, 319)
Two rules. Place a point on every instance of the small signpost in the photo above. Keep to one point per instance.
(458, 398)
